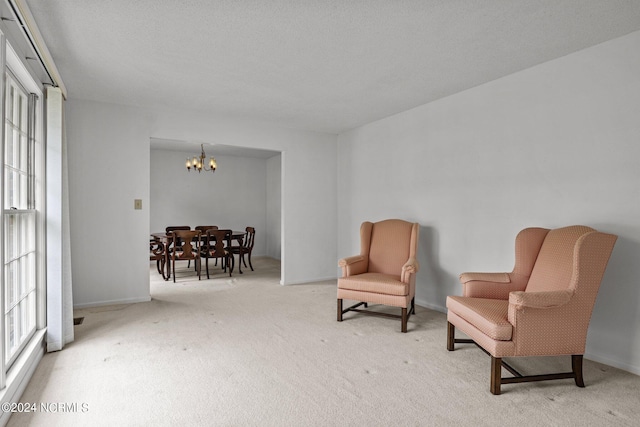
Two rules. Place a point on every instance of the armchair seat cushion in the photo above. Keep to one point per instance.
(374, 282)
(490, 316)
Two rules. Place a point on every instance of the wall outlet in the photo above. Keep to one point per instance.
(137, 204)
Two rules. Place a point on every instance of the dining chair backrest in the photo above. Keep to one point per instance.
(217, 240)
(186, 243)
(204, 228)
(249, 237)
(171, 228)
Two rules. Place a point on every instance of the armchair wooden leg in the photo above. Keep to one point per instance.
(496, 372)
(576, 364)
(404, 319)
(451, 336)
(339, 310)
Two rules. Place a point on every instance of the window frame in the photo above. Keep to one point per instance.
(10, 63)
(22, 257)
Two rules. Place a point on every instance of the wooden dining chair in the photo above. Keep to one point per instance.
(203, 229)
(186, 247)
(215, 248)
(171, 228)
(245, 248)
(157, 254)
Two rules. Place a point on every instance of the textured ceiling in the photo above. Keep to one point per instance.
(322, 65)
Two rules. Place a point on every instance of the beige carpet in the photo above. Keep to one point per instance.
(248, 352)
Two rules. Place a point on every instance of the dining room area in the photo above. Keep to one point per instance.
(210, 221)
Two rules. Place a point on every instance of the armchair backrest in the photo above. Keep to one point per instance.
(556, 264)
(528, 243)
(571, 258)
(388, 244)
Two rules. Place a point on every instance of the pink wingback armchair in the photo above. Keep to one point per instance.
(384, 272)
(541, 308)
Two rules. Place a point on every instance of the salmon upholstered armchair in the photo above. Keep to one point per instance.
(541, 308)
(384, 272)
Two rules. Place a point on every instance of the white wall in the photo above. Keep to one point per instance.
(234, 197)
(273, 229)
(109, 165)
(554, 145)
(108, 158)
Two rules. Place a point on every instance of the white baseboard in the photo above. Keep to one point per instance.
(113, 302)
(430, 306)
(320, 279)
(611, 362)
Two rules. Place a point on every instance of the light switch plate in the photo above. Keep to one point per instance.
(137, 204)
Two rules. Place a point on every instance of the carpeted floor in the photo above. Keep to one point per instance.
(247, 351)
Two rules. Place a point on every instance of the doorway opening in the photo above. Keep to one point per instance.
(245, 190)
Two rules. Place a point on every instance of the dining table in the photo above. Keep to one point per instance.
(165, 239)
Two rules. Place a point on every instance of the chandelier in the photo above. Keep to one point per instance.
(198, 162)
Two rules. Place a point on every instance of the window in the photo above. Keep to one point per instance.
(19, 221)
(22, 267)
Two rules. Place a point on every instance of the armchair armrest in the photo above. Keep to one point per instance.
(410, 267)
(491, 285)
(548, 299)
(547, 322)
(353, 265)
